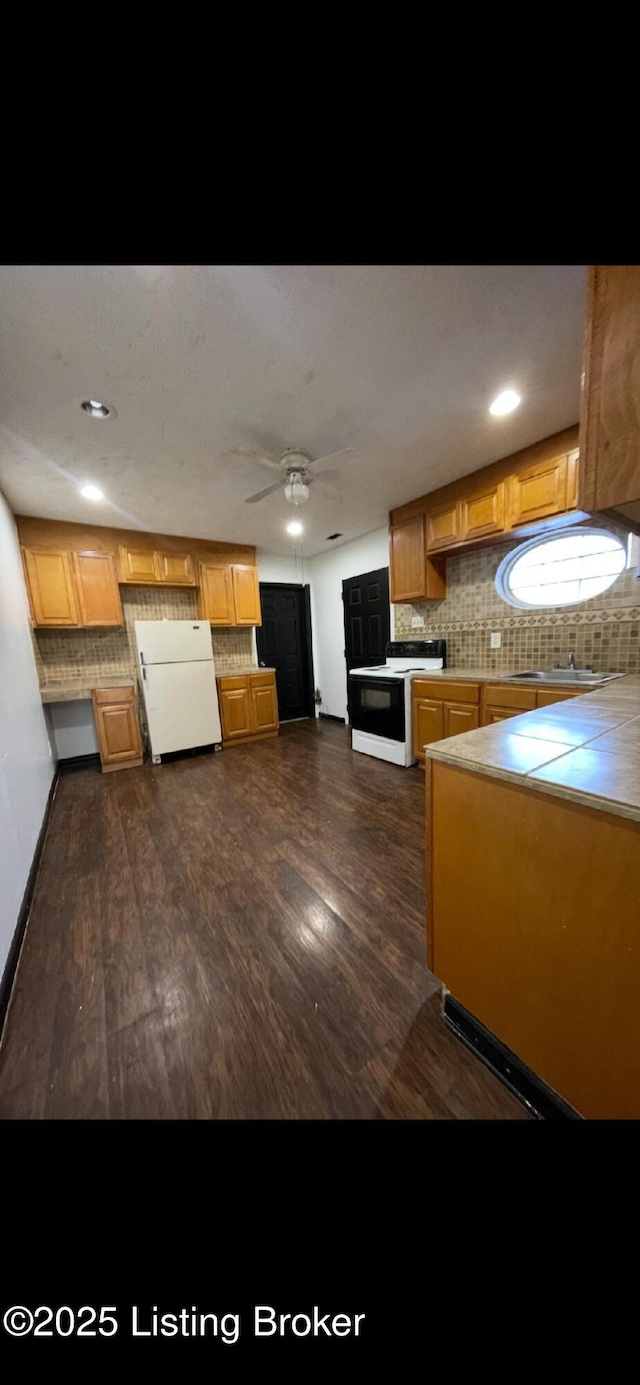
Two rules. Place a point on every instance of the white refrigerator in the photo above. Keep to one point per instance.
(178, 680)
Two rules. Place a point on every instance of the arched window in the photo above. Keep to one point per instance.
(557, 570)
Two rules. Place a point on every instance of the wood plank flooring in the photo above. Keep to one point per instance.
(237, 936)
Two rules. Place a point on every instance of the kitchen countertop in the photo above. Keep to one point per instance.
(476, 675)
(242, 672)
(586, 748)
(80, 689)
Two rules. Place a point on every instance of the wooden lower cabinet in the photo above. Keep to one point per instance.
(428, 724)
(115, 712)
(248, 707)
(441, 708)
(500, 700)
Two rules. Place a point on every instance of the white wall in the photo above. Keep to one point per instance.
(326, 573)
(26, 763)
(274, 567)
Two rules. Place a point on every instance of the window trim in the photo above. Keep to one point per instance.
(539, 541)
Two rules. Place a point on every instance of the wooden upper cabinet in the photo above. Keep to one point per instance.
(176, 569)
(538, 492)
(573, 466)
(97, 588)
(610, 409)
(141, 565)
(51, 588)
(138, 565)
(215, 602)
(483, 513)
(443, 526)
(229, 594)
(407, 556)
(246, 595)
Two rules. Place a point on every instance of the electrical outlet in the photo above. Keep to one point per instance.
(417, 623)
(496, 639)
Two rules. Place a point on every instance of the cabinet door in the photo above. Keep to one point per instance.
(116, 716)
(538, 492)
(246, 595)
(428, 724)
(484, 513)
(51, 587)
(176, 569)
(572, 479)
(264, 703)
(97, 587)
(547, 697)
(443, 526)
(458, 717)
(215, 602)
(609, 412)
(138, 565)
(493, 714)
(235, 708)
(407, 557)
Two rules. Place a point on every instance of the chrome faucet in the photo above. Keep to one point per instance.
(572, 659)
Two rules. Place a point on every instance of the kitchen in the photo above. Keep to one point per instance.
(236, 926)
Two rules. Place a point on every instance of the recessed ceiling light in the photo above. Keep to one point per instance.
(96, 409)
(505, 402)
(91, 493)
(294, 527)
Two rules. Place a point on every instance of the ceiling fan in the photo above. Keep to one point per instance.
(294, 466)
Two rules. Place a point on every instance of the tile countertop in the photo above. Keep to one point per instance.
(586, 749)
(79, 690)
(476, 675)
(244, 671)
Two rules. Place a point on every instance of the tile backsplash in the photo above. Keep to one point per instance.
(68, 654)
(604, 632)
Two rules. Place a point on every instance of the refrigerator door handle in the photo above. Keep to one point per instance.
(141, 657)
(144, 672)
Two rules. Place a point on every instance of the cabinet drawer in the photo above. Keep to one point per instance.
(446, 691)
(231, 684)
(499, 695)
(261, 680)
(548, 697)
(109, 695)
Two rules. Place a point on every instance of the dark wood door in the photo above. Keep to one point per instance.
(283, 645)
(367, 616)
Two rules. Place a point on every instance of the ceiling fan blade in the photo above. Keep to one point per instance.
(345, 455)
(268, 490)
(252, 455)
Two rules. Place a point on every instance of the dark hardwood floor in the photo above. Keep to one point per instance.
(237, 935)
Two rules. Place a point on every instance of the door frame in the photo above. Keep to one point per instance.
(305, 588)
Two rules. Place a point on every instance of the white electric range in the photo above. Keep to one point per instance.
(380, 699)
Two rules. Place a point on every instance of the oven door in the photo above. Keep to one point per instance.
(377, 706)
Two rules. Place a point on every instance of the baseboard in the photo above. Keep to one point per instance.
(540, 1100)
(78, 762)
(327, 716)
(11, 963)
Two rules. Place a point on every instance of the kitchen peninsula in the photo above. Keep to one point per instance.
(533, 883)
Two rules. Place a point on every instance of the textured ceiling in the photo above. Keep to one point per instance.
(398, 361)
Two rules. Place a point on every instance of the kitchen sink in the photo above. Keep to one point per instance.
(565, 675)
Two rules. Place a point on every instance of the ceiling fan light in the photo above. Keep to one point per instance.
(296, 490)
